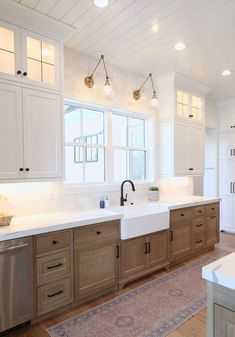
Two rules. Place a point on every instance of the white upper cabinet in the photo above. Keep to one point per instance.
(29, 58)
(189, 106)
(189, 145)
(11, 132)
(42, 134)
(227, 120)
(227, 146)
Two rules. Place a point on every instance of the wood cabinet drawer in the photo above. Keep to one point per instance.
(53, 267)
(53, 241)
(54, 295)
(181, 214)
(212, 209)
(199, 240)
(199, 225)
(98, 233)
(198, 211)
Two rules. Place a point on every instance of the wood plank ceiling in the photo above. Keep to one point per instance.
(139, 35)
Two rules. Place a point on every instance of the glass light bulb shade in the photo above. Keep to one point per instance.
(107, 90)
(101, 3)
(154, 102)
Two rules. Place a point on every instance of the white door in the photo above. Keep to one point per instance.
(227, 120)
(181, 143)
(42, 134)
(196, 151)
(11, 145)
(227, 178)
(227, 146)
(40, 60)
(10, 54)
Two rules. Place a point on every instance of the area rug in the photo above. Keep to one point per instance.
(152, 310)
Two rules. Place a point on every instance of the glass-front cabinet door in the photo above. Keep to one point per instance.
(40, 60)
(189, 106)
(9, 51)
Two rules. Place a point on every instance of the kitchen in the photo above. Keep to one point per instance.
(117, 168)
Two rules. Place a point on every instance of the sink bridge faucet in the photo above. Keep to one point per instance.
(122, 199)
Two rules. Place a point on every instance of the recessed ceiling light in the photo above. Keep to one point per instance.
(155, 28)
(226, 72)
(180, 46)
(101, 3)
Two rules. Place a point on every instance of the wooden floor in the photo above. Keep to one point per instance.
(194, 327)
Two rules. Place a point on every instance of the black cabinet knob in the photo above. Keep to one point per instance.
(24, 73)
(21, 169)
(190, 169)
(18, 72)
(54, 242)
(98, 232)
(27, 169)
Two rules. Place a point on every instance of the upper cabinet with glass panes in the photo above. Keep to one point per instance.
(28, 57)
(189, 106)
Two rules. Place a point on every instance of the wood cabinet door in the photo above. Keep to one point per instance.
(133, 256)
(180, 239)
(158, 248)
(212, 230)
(95, 269)
(42, 134)
(11, 131)
(224, 322)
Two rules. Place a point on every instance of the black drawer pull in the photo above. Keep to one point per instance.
(55, 294)
(190, 116)
(182, 214)
(149, 247)
(117, 252)
(98, 232)
(24, 73)
(27, 169)
(18, 72)
(199, 241)
(213, 216)
(191, 169)
(21, 169)
(55, 266)
(171, 236)
(199, 211)
(54, 242)
(212, 208)
(145, 248)
(199, 225)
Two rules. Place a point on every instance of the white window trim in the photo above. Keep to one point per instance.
(109, 184)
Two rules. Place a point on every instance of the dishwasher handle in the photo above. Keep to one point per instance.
(13, 248)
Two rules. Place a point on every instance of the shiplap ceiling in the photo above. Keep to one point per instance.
(123, 33)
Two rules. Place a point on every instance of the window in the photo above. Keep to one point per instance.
(129, 153)
(84, 145)
(101, 146)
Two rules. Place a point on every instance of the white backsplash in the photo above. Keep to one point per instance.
(34, 198)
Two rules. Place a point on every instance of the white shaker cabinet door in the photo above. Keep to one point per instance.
(181, 149)
(227, 120)
(42, 134)
(11, 145)
(196, 151)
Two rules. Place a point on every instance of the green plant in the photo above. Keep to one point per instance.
(153, 188)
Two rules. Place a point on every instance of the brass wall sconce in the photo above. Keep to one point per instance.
(137, 93)
(89, 80)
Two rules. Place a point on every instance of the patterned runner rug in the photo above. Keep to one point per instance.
(152, 310)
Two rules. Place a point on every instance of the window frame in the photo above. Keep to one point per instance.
(109, 182)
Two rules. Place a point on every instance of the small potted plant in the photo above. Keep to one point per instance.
(153, 193)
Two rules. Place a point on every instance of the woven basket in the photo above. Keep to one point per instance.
(5, 220)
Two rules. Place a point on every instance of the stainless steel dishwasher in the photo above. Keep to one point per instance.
(16, 282)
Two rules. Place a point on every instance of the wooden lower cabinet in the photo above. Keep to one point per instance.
(143, 255)
(212, 229)
(96, 268)
(96, 259)
(180, 239)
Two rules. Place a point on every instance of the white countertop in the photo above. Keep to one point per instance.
(221, 272)
(44, 223)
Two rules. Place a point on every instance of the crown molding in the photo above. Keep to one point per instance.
(27, 18)
(190, 84)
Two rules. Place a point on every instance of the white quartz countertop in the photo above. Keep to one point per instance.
(49, 222)
(221, 272)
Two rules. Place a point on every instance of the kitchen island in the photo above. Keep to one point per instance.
(220, 276)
